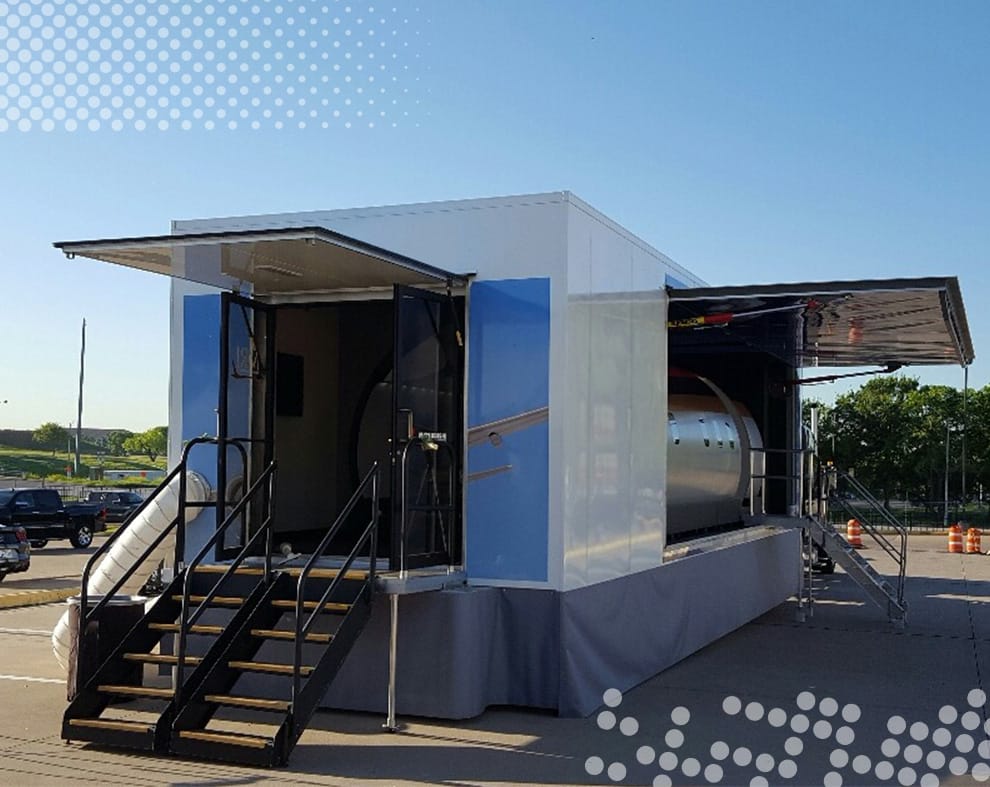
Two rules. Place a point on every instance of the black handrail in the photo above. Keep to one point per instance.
(370, 532)
(186, 621)
(85, 614)
(425, 445)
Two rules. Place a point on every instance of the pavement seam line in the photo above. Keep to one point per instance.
(972, 629)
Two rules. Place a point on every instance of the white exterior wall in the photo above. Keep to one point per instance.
(607, 359)
(615, 406)
(497, 239)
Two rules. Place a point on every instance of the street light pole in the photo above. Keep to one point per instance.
(945, 518)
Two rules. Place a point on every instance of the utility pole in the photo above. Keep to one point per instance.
(82, 368)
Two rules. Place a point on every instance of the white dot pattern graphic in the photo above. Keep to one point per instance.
(911, 752)
(240, 64)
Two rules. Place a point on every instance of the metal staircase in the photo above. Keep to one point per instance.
(262, 640)
(878, 523)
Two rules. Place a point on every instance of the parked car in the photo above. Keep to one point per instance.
(15, 551)
(45, 517)
(119, 505)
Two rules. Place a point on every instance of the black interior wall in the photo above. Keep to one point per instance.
(328, 434)
(357, 343)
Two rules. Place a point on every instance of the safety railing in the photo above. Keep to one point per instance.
(879, 523)
(177, 525)
(803, 494)
(427, 446)
(800, 493)
(187, 619)
(369, 537)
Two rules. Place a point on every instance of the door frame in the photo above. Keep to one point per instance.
(401, 427)
(250, 443)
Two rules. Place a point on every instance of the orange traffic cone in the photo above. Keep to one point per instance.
(854, 533)
(973, 541)
(955, 539)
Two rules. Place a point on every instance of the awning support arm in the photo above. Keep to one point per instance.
(890, 368)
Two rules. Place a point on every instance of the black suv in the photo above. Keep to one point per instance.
(119, 505)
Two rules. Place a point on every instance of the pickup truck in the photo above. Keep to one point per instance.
(15, 553)
(45, 517)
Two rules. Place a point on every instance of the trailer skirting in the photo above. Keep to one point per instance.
(464, 649)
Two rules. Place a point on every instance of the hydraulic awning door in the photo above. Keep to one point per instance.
(894, 322)
(268, 262)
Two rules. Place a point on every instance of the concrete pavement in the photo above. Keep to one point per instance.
(843, 698)
(53, 576)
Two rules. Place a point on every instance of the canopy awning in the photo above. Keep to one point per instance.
(893, 322)
(267, 261)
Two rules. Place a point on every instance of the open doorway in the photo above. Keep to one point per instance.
(354, 383)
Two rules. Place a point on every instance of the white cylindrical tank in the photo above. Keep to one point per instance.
(129, 546)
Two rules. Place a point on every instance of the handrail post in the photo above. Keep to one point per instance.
(403, 512)
(393, 654)
(373, 549)
(180, 534)
(268, 520)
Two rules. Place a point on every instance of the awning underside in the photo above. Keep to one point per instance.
(864, 323)
(267, 262)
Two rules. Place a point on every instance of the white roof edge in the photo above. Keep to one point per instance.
(308, 218)
(257, 220)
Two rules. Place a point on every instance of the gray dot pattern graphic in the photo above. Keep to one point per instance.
(151, 66)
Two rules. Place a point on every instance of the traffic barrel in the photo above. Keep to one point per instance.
(955, 540)
(973, 541)
(854, 533)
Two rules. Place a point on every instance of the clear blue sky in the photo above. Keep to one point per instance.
(750, 141)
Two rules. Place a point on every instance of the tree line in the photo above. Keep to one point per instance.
(893, 432)
(152, 442)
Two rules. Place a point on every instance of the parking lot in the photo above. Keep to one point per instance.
(54, 575)
(842, 698)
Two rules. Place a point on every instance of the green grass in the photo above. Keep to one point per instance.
(36, 463)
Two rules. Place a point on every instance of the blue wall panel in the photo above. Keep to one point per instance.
(507, 510)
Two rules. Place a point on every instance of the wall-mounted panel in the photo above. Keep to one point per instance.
(200, 394)
(508, 431)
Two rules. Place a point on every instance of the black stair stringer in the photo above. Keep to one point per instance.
(323, 673)
(90, 703)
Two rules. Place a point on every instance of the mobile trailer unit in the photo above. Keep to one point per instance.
(532, 340)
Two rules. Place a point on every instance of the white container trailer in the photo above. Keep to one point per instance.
(552, 365)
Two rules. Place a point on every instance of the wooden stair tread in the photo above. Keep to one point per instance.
(221, 568)
(195, 629)
(161, 658)
(316, 573)
(220, 601)
(256, 703)
(275, 669)
(136, 691)
(280, 634)
(327, 573)
(120, 725)
(228, 738)
(330, 606)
